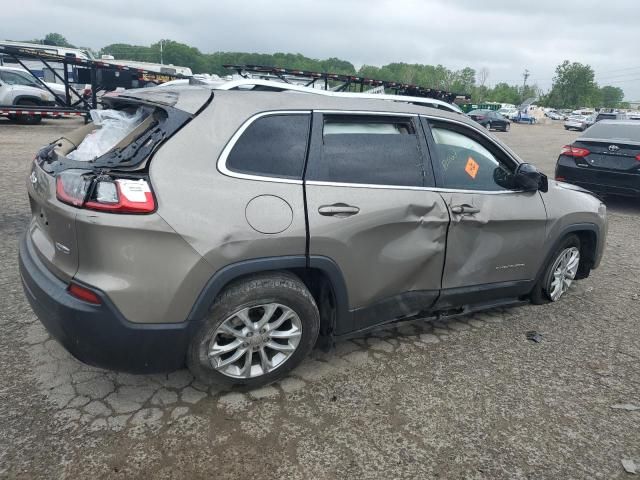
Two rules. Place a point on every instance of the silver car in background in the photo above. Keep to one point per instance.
(579, 122)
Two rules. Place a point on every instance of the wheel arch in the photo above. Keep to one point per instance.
(29, 98)
(589, 235)
(320, 274)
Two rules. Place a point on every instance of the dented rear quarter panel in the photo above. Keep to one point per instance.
(207, 207)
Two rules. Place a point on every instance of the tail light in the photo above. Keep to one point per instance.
(570, 151)
(83, 294)
(638, 157)
(106, 193)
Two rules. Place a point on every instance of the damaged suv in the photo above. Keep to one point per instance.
(231, 230)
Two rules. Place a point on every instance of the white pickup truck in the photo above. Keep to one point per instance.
(18, 87)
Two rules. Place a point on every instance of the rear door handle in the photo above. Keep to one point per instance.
(338, 210)
(464, 209)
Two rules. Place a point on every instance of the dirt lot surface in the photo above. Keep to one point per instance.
(471, 398)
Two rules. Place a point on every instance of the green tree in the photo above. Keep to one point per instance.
(611, 97)
(56, 39)
(573, 86)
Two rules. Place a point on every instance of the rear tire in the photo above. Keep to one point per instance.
(488, 125)
(543, 289)
(262, 357)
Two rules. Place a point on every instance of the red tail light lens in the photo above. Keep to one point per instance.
(570, 151)
(638, 157)
(72, 186)
(83, 294)
(106, 193)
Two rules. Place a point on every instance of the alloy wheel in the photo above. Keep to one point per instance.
(255, 341)
(563, 272)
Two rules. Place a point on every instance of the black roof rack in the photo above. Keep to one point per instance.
(347, 81)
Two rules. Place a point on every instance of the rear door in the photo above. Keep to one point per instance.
(369, 211)
(494, 244)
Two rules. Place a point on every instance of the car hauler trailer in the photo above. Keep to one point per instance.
(345, 83)
(101, 75)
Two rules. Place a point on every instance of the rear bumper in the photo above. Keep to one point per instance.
(98, 334)
(599, 181)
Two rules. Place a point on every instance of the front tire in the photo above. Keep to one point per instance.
(506, 127)
(257, 331)
(29, 119)
(559, 273)
(488, 125)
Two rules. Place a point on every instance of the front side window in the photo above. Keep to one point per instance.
(13, 78)
(467, 162)
(272, 146)
(368, 149)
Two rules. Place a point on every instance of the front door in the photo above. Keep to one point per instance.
(495, 239)
(369, 211)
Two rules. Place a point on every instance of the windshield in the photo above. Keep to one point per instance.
(614, 131)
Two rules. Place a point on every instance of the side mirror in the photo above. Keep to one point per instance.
(528, 178)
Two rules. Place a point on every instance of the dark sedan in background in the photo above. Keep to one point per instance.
(605, 159)
(490, 119)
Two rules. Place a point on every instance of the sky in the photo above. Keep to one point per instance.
(505, 37)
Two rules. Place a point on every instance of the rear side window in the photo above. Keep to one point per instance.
(368, 149)
(618, 131)
(272, 146)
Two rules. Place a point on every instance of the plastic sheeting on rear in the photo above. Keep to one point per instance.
(114, 126)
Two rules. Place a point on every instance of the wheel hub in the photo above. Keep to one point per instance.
(564, 271)
(255, 340)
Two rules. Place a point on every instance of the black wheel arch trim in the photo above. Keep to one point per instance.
(231, 272)
(576, 227)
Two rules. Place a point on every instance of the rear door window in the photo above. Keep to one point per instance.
(272, 146)
(368, 149)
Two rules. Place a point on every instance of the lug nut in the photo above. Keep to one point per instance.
(250, 334)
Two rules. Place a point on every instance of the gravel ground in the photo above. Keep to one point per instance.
(471, 398)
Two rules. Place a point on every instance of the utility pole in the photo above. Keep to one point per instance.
(161, 63)
(524, 84)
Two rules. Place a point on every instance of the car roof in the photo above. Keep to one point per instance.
(259, 101)
(14, 69)
(237, 84)
(620, 122)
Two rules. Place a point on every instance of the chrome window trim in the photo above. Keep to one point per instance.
(222, 160)
(402, 187)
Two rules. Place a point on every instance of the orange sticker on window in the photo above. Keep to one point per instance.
(471, 168)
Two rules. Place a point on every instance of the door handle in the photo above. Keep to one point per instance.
(338, 210)
(464, 209)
